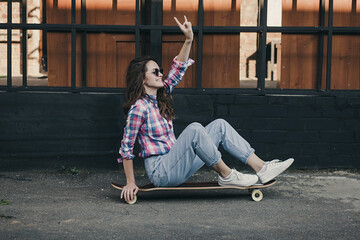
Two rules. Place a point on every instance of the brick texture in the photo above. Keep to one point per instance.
(317, 131)
(50, 129)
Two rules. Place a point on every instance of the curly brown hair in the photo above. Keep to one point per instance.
(135, 75)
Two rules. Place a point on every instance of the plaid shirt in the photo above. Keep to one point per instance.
(155, 134)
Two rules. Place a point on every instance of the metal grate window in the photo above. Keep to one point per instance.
(144, 32)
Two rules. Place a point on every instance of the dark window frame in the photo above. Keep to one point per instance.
(155, 30)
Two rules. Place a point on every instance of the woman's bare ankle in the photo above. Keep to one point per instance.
(222, 169)
(255, 162)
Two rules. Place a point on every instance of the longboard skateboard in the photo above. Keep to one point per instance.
(254, 190)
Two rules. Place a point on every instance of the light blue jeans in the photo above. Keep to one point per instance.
(196, 146)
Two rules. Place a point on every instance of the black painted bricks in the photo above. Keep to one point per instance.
(47, 129)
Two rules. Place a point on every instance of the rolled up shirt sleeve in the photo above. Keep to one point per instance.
(176, 73)
(136, 117)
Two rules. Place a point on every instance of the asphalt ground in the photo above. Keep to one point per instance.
(73, 204)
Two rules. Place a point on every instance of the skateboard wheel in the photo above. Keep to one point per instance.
(133, 201)
(257, 195)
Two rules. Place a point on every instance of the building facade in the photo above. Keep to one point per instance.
(284, 73)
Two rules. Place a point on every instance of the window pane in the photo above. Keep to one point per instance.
(60, 11)
(36, 59)
(274, 13)
(297, 54)
(229, 61)
(110, 12)
(221, 61)
(171, 45)
(179, 8)
(107, 57)
(273, 60)
(346, 13)
(299, 13)
(16, 12)
(3, 57)
(227, 13)
(3, 45)
(16, 65)
(249, 12)
(3, 12)
(248, 58)
(35, 10)
(345, 62)
(105, 12)
(59, 59)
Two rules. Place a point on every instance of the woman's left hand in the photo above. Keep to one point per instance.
(186, 28)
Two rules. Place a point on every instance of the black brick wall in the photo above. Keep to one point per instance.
(53, 129)
(317, 131)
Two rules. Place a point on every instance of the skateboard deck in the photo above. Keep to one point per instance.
(254, 190)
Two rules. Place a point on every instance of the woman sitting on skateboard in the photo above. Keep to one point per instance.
(170, 161)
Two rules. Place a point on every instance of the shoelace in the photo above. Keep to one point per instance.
(239, 175)
(273, 161)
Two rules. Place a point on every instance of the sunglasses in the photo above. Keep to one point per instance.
(157, 72)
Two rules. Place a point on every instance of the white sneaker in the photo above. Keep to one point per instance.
(273, 168)
(238, 179)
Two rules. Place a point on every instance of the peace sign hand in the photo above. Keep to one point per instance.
(186, 29)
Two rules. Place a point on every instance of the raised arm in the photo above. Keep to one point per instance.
(186, 28)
